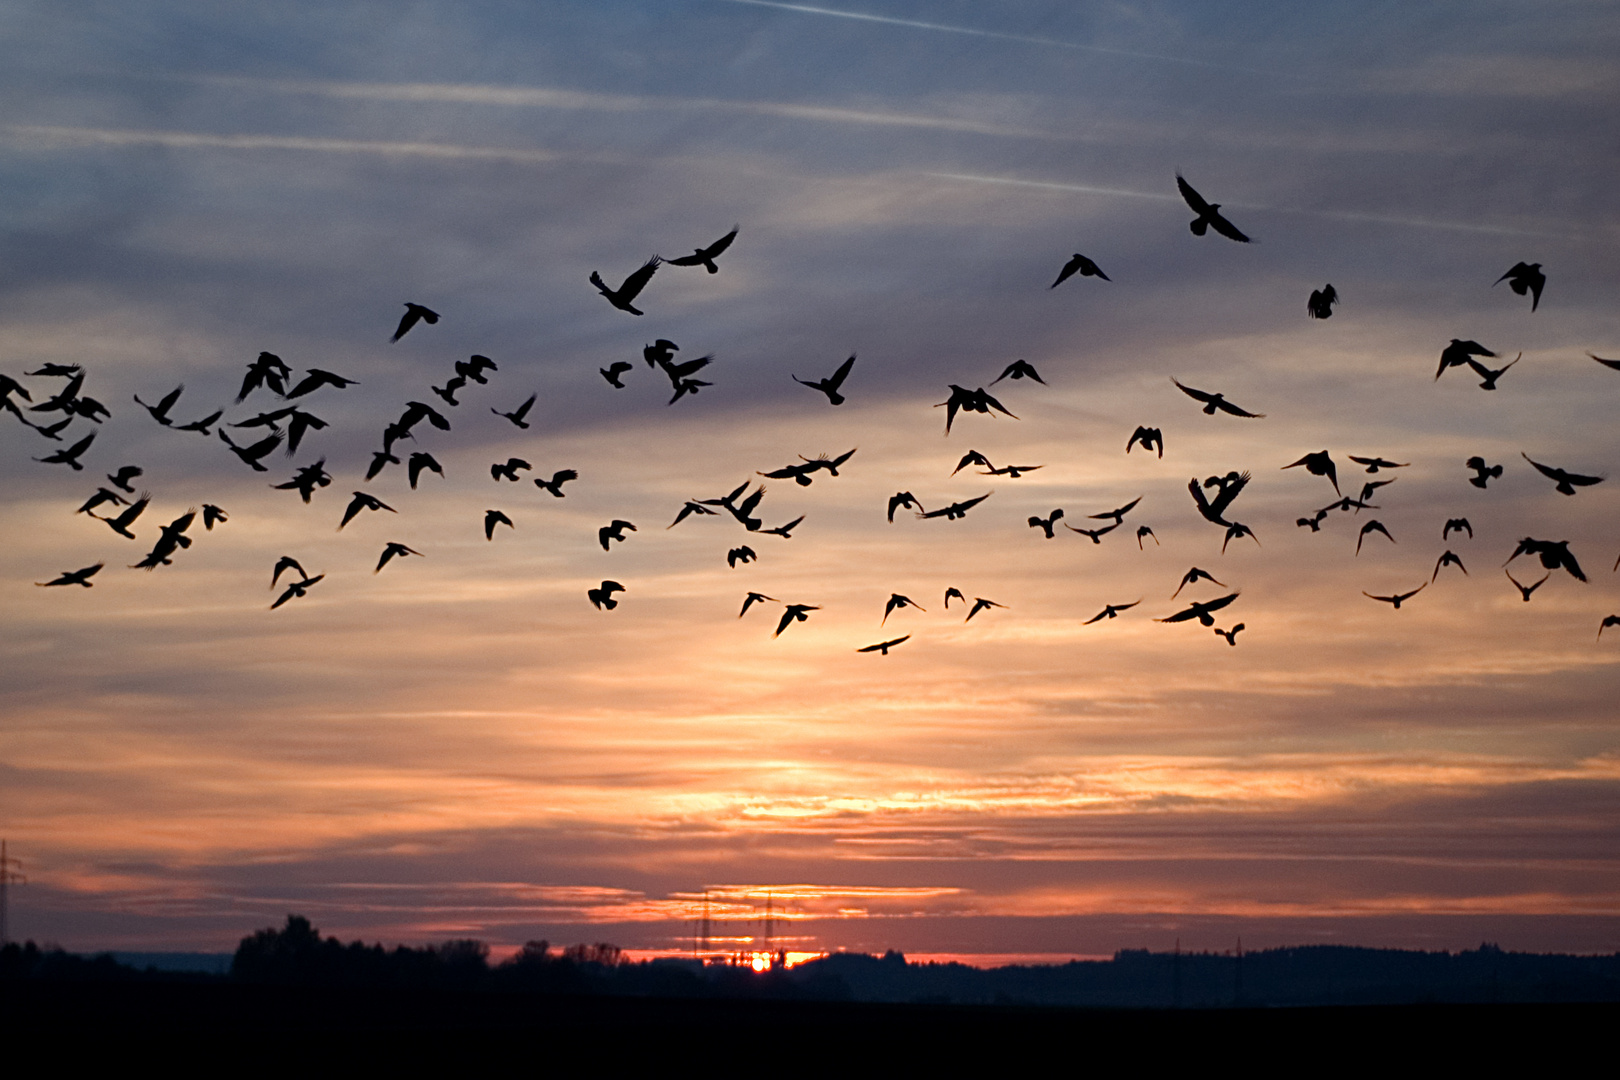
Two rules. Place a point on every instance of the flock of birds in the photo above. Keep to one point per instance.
(51, 409)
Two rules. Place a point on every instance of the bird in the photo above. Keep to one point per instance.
(1216, 401)
(211, 515)
(268, 370)
(1375, 463)
(53, 371)
(1522, 278)
(160, 411)
(1117, 515)
(1012, 472)
(517, 415)
(753, 598)
(62, 400)
(1230, 487)
(493, 518)
(271, 420)
(661, 351)
(1192, 576)
(980, 604)
(1608, 621)
(1019, 369)
(741, 511)
(688, 510)
(1229, 635)
(623, 296)
(1457, 354)
(972, 457)
(1372, 527)
(286, 562)
(1209, 215)
(744, 554)
(102, 495)
(1319, 464)
(171, 538)
(81, 577)
(1484, 473)
(1096, 535)
(883, 647)
(1148, 437)
(1201, 610)
(1450, 558)
(956, 509)
(1142, 533)
(612, 372)
(252, 455)
(9, 386)
(415, 412)
(1236, 531)
(1045, 523)
(558, 479)
(1081, 265)
(1110, 611)
(1320, 305)
(795, 613)
(831, 383)
(705, 257)
(1615, 364)
(978, 401)
(1526, 590)
(905, 499)
(296, 588)
(1553, 555)
(474, 367)
(602, 595)
(362, 501)
(89, 408)
(314, 379)
(307, 479)
(950, 592)
(1313, 523)
(509, 470)
(615, 531)
(1460, 525)
(380, 459)
(390, 551)
(50, 431)
(1566, 482)
(420, 461)
(414, 313)
(1367, 490)
(1398, 598)
(784, 531)
(686, 386)
(1490, 376)
(71, 455)
(896, 600)
(202, 426)
(391, 434)
(447, 392)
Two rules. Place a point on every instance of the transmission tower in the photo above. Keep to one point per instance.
(7, 876)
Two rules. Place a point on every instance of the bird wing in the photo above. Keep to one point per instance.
(1103, 614)
(838, 377)
(994, 404)
(1194, 200)
(1228, 493)
(1068, 271)
(964, 507)
(1196, 395)
(638, 280)
(1227, 229)
(787, 620)
(1227, 407)
(1615, 364)
(720, 245)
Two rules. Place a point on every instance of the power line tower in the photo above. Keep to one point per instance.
(7, 877)
(704, 926)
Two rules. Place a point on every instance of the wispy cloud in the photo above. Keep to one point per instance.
(59, 136)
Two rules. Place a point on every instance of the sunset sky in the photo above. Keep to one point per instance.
(462, 746)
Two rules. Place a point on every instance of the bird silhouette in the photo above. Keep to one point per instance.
(905, 499)
(314, 379)
(1216, 401)
(831, 384)
(614, 531)
(474, 367)
(1142, 533)
(1525, 277)
(1229, 488)
(685, 387)
(1490, 376)
(517, 415)
(416, 412)
(1608, 621)
(307, 479)
(271, 419)
(705, 257)
(63, 399)
(202, 426)
(1209, 215)
(296, 589)
(956, 509)
(392, 550)
(89, 408)
(102, 495)
(1117, 515)
(1195, 575)
(1553, 555)
(688, 510)
(286, 562)
(659, 352)
(123, 521)
(1484, 473)
(972, 457)
(211, 515)
(171, 538)
(1526, 590)
(1019, 369)
(980, 604)
(1457, 354)
(1320, 305)
(252, 455)
(753, 598)
(69, 456)
(744, 554)
(50, 431)
(269, 371)
(1230, 635)
(602, 595)
(1096, 535)
(897, 601)
(795, 613)
(392, 433)
(414, 313)
(558, 479)
(784, 531)
(612, 372)
(1372, 527)
(1314, 523)
(380, 459)
(978, 401)
(509, 470)
(623, 297)
(1375, 463)
(1398, 598)
(1011, 472)
(54, 371)
(1045, 523)
(1236, 531)
(1110, 611)
(1615, 364)
(1458, 524)
(1148, 437)
(1319, 464)
(83, 576)
(493, 518)
(1450, 558)
(883, 647)
(1367, 490)
(1078, 265)
(160, 411)
(1201, 610)
(447, 392)
(423, 461)
(1566, 482)
(362, 501)
(953, 591)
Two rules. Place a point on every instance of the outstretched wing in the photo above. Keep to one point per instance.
(1194, 200)
(1227, 407)
(714, 249)
(1227, 229)
(841, 374)
(637, 281)
(1196, 395)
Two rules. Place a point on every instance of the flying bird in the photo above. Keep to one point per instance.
(898, 601)
(1367, 490)
(752, 598)
(1079, 265)
(1484, 473)
(1313, 523)
(705, 257)
(62, 400)
(956, 509)
(314, 380)
(160, 411)
(615, 531)
(1460, 525)
(883, 647)
(688, 510)
(1608, 621)
(252, 455)
(268, 370)
(102, 495)
(474, 367)
(1045, 523)
(82, 577)
(1458, 353)
(416, 412)
(1142, 533)
(1019, 369)
(1110, 611)
(380, 459)
(1553, 555)
(1450, 558)
(1372, 527)
(1320, 305)
(1526, 590)
(972, 457)
(1201, 610)
(53, 371)
(212, 515)
(1096, 535)
(518, 414)
(1522, 278)
(831, 383)
(89, 408)
(795, 613)
(905, 499)
(1566, 482)
(1490, 376)
(420, 461)
(558, 479)
(70, 456)
(623, 296)
(1319, 464)
(978, 401)
(784, 531)
(686, 386)
(1148, 437)
(1117, 515)
(1209, 215)
(1398, 598)
(612, 372)
(362, 501)
(1216, 401)
(1236, 531)
(447, 392)
(1195, 575)
(1012, 472)
(1375, 463)
(296, 589)
(414, 313)
(744, 554)
(980, 604)
(123, 476)
(307, 479)
(1615, 364)
(390, 551)
(950, 592)
(493, 518)
(1229, 635)
(123, 521)
(286, 562)
(509, 470)
(1214, 510)
(659, 352)
(202, 426)
(602, 595)
(171, 538)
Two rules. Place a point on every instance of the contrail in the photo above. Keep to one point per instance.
(191, 140)
(915, 24)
